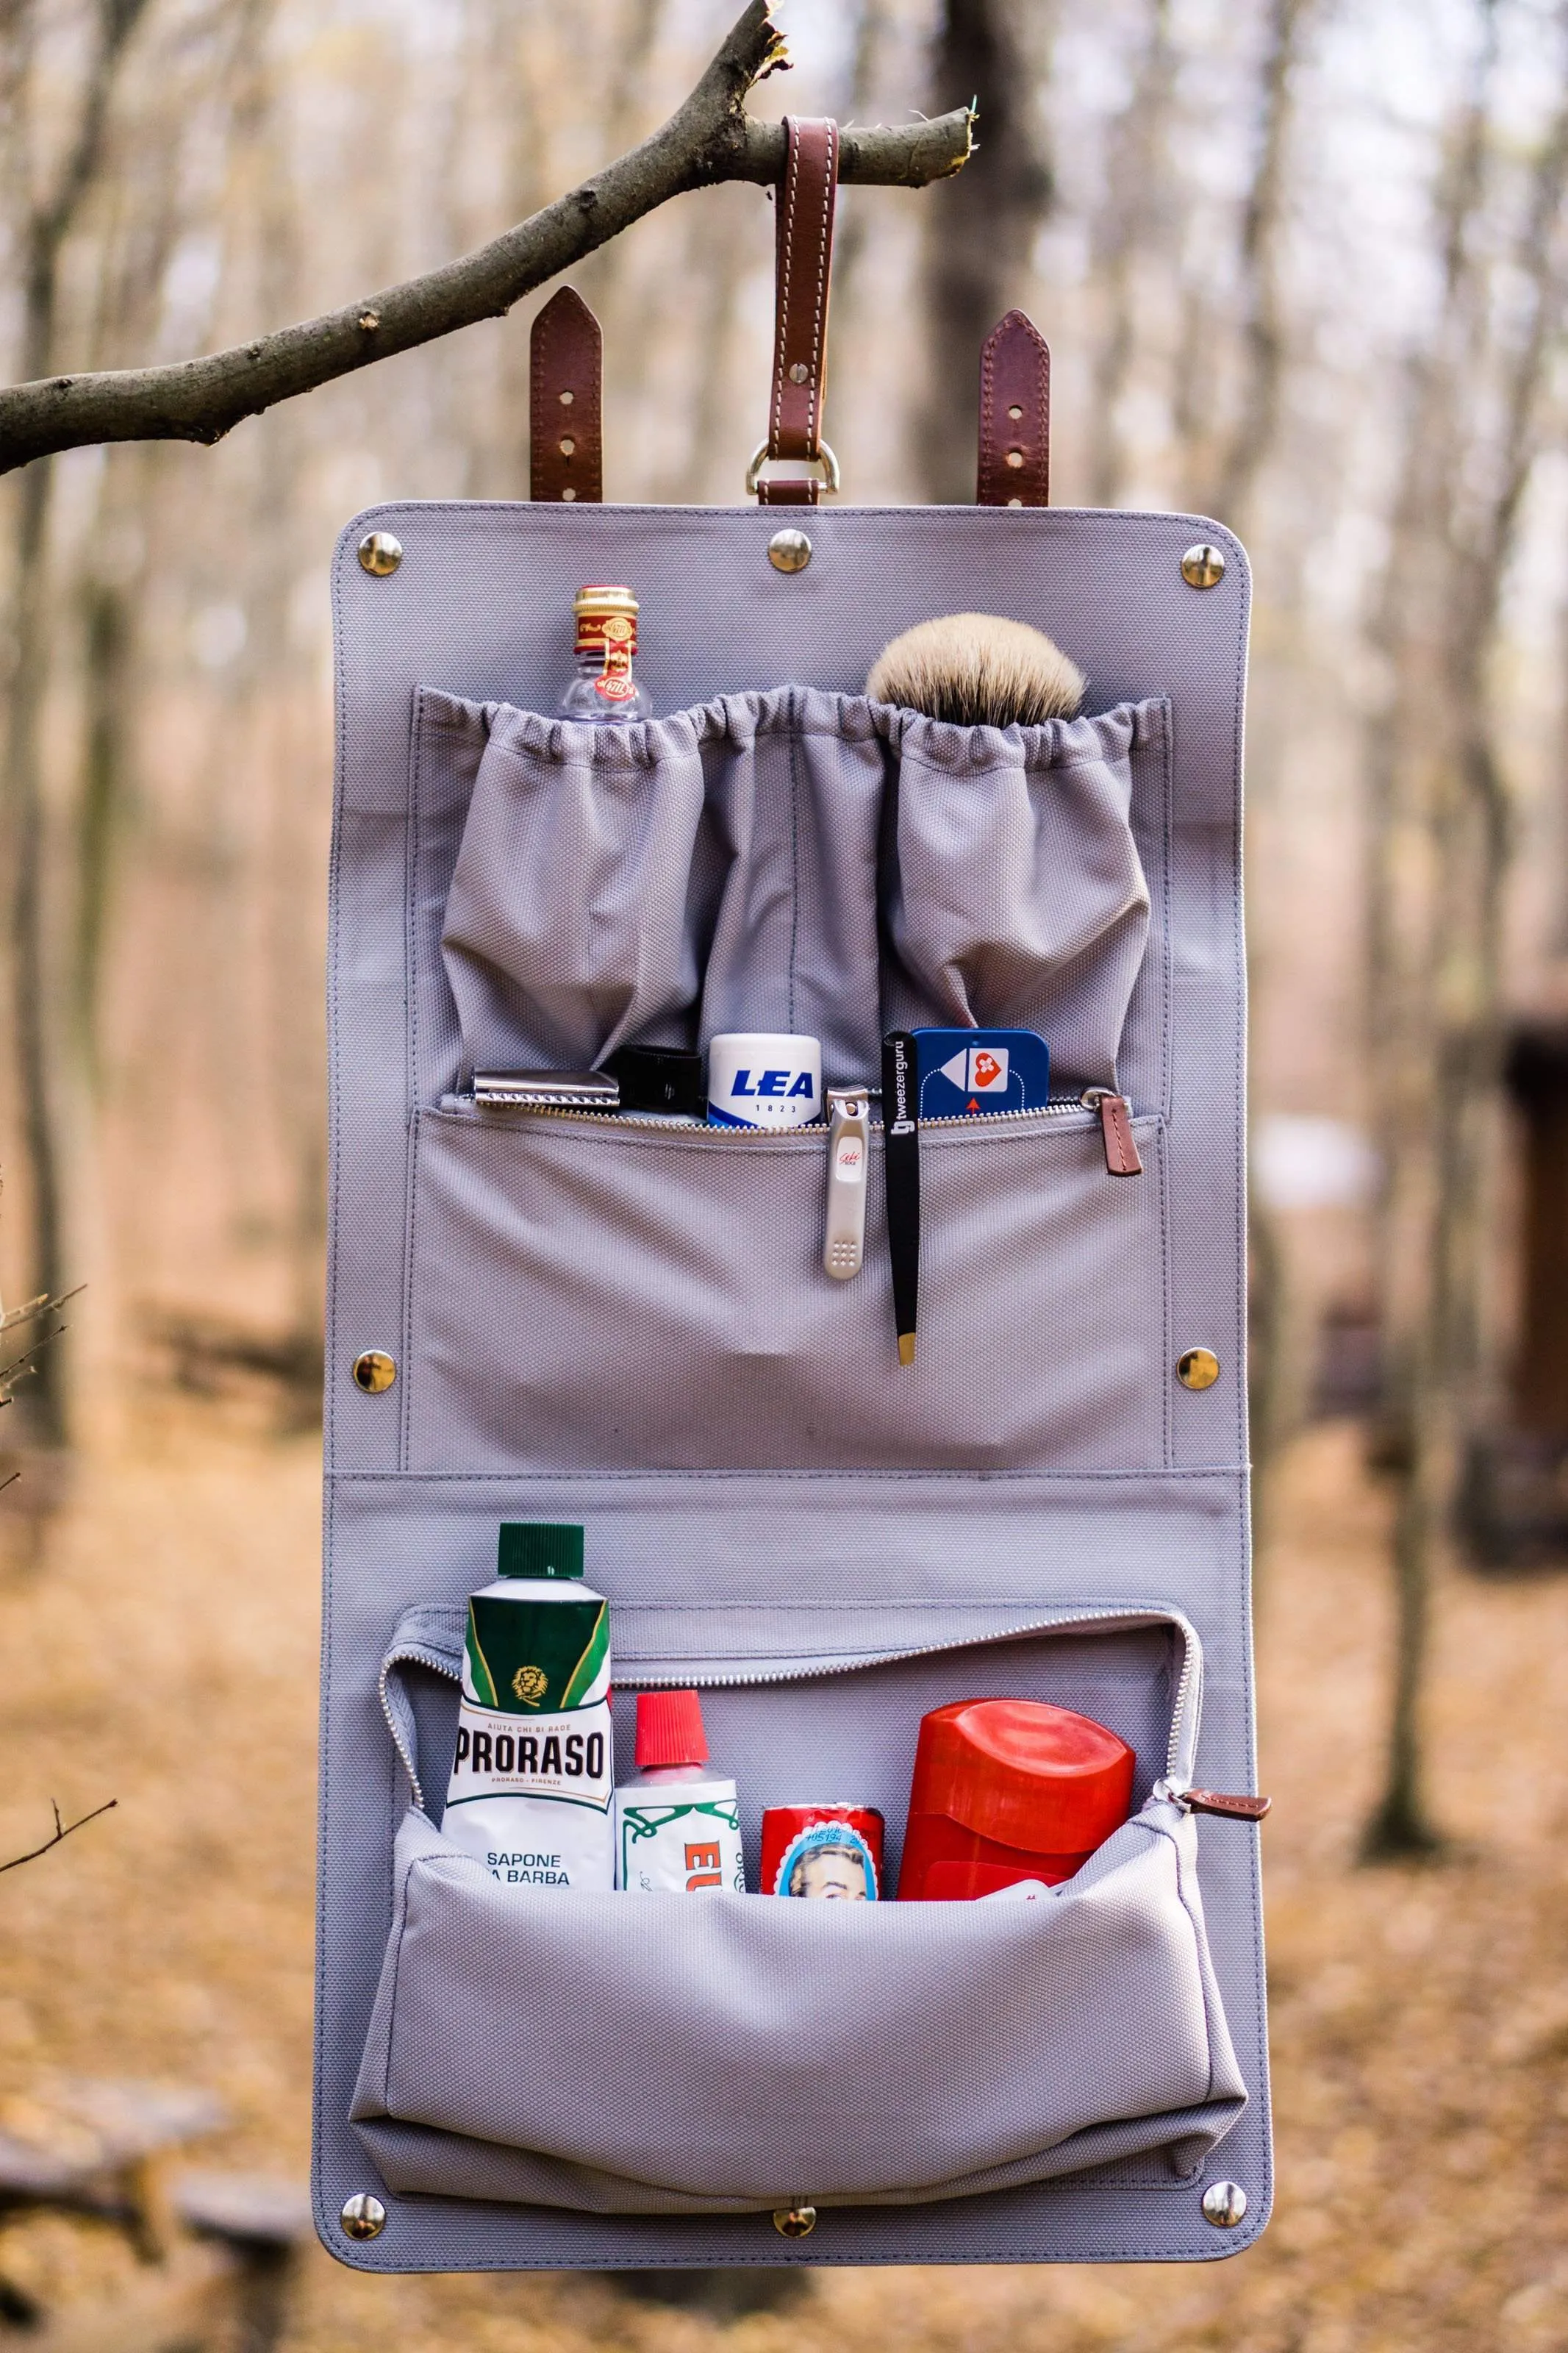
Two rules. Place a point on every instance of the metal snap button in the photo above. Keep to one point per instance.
(1224, 2203)
(379, 553)
(363, 2216)
(794, 2221)
(1197, 1368)
(374, 1371)
(1202, 566)
(789, 551)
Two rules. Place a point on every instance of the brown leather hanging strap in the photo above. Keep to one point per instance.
(805, 203)
(565, 400)
(1015, 416)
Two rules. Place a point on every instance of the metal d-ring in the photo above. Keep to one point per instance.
(824, 458)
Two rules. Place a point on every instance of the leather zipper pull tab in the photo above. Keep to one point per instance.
(1231, 1809)
(1122, 1156)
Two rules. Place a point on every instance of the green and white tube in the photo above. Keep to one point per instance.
(533, 1775)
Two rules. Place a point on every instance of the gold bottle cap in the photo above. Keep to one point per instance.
(602, 600)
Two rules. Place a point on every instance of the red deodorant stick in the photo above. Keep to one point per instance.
(1007, 1790)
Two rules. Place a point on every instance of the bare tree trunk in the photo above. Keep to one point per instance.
(871, 35)
(108, 665)
(47, 229)
(1400, 1049)
(1263, 329)
(1272, 1390)
(721, 240)
(30, 976)
(506, 57)
(629, 309)
(1130, 225)
(1449, 1004)
(1401, 1823)
(977, 246)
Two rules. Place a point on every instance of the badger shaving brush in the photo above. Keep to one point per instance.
(978, 670)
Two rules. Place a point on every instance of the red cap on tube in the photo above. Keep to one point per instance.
(669, 1729)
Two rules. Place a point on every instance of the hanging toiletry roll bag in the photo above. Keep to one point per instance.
(546, 1309)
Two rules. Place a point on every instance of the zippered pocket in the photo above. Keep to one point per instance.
(755, 2053)
(612, 1293)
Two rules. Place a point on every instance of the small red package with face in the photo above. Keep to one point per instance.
(832, 1852)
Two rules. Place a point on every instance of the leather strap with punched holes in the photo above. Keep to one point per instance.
(805, 203)
(566, 399)
(1015, 416)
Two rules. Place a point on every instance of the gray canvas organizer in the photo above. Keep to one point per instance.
(634, 1331)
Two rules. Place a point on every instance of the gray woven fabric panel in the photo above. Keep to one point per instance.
(926, 2051)
(789, 1372)
(479, 610)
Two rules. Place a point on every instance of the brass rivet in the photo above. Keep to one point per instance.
(794, 2221)
(363, 2216)
(374, 1371)
(568, 494)
(799, 373)
(1014, 412)
(1014, 458)
(1202, 566)
(380, 553)
(567, 398)
(1224, 2203)
(1197, 1368)
(789, 551)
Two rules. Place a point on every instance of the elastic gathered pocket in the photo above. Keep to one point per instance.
(589, 1293)
(791, 861)
(1017, 897)
(754, 2051)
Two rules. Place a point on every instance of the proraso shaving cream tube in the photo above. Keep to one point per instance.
(533, 1775)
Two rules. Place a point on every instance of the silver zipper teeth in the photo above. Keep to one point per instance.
(1184, 1681)
(688, 1681)
(1058, 1107)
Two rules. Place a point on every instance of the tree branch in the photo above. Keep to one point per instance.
(707, 140)
(61, 1831)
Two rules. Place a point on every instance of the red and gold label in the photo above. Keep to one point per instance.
(618, 636)
(599, 627)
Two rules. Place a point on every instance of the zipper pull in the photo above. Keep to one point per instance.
(848, 1155)
(1236, 1809)
(1116, 1126)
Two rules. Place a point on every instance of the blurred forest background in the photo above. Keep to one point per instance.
(1303, 266)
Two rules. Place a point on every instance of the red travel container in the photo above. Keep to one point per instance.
(1007, 1790)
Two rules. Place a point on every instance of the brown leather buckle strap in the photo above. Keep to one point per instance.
(1015, 416)
(805, 259)
(565, 402)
